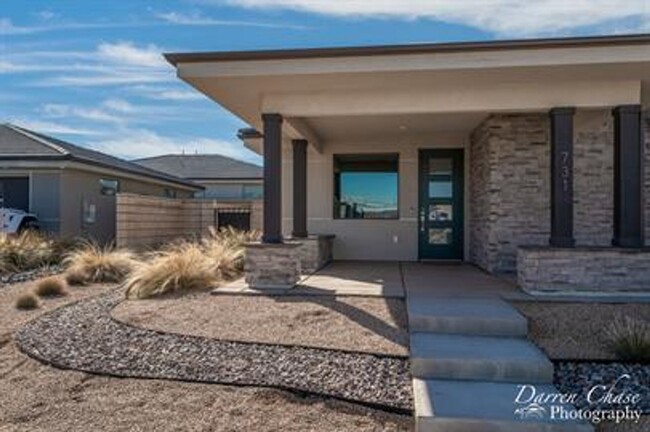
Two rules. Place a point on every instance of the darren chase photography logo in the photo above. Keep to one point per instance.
(612, 402)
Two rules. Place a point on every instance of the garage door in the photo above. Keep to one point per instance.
(14, 192)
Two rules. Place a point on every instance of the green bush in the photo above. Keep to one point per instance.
(629, 339)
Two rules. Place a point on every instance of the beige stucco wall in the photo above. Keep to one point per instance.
(76, 185)
(365, 239)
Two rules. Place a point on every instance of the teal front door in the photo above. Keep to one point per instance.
(440, 213)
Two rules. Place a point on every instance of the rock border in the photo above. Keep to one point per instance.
(83, 336)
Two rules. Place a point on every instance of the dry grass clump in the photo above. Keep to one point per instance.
(51, 287)
(190, 265)
(27, 302)
(94, 263)
(629, 339)
(184, 266)
(27, 251)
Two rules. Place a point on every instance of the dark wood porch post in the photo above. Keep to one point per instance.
(562, 177)
(272, 178)
(628, 177)
(299, 188)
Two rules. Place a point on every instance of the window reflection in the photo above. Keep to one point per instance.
(365, 186)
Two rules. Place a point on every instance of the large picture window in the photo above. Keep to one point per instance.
(365, 186)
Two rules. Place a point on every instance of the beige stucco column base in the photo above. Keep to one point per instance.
(272, 265)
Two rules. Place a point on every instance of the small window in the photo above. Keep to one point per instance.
(169, 193)
(109, 187)
(365, 186)
(252, 191)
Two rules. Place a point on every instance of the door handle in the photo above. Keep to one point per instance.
(422, 219)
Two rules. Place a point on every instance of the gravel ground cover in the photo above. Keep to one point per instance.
(84, 337)
(30, 275)
(574, 331)
(571, 377)
(376, 325)
(37, 397)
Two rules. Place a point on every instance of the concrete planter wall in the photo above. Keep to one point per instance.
(583, 269)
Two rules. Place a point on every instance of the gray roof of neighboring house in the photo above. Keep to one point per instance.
(18, 143)
(203, 167)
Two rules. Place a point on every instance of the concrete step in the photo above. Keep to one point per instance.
(480, 358)
(468, 316)
(469, 406)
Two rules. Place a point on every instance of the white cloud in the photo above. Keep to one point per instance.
(47, 127)
(166, 93)
(62, 111)
(119, 105)
(197, 19)
(128, 53)
(138, 143)
(109, 64)
(504, 17)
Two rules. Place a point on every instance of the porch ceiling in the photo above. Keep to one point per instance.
(392, 127)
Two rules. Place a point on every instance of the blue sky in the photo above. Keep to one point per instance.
(91, 71)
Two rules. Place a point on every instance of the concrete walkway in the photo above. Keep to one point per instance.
(470, 355)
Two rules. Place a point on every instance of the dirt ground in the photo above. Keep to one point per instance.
(36, 397)
(576, 330)
(369, 324)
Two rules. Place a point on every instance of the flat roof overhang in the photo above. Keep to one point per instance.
(309, 85)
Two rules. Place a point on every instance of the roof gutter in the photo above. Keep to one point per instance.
(429, 48)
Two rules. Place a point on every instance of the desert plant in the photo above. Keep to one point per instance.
(226, 248)
(629, 339)
(26, 251)
(52, 286)
(94, 263)
(26, 302)
(76, 276)
(184, 266)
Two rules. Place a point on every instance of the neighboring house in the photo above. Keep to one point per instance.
(70, 188)
(513, 155)
(224, 178)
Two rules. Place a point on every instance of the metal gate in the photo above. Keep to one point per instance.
(239, 219)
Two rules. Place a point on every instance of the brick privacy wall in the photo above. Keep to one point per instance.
(509, 188)
(583, 269)
(144, 220)
(510, 177)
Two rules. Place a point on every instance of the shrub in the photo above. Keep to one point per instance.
(94, 263)
(51, 287)
(184, 266)
(629, 339)
(76, 276)
(190, 265)
(27, 302)
(26, 251)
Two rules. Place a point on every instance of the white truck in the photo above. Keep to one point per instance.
(14, 221)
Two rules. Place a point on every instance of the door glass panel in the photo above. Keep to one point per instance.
(440, 188)
(440, 236)
(439, 166)
(440, 213)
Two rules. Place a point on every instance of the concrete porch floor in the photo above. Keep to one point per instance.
(393, 279)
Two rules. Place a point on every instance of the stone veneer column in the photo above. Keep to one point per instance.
(562, 177)
(628, 177)
(272, 265)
